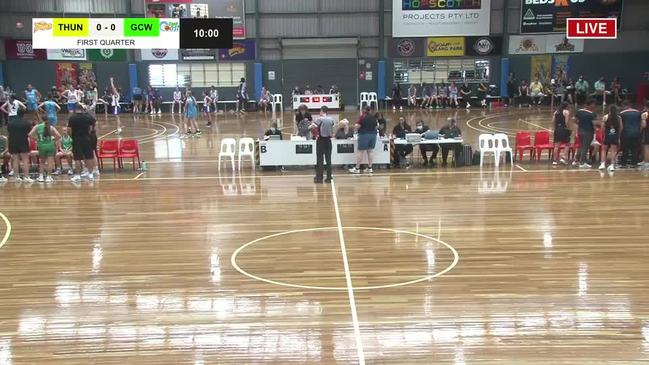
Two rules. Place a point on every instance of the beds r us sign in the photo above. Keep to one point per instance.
(591, 28)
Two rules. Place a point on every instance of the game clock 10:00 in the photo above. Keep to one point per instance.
(206, 33)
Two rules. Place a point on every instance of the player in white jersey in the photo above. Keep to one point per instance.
(207, 107)
(115, 104)
(72, 97)
(178, 99)
(214, 95)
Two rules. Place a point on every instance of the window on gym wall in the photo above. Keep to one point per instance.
(436, 71)
(196, 74)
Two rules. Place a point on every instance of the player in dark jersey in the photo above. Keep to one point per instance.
(561, 133)
(631, 135)
(612, 129)
(586, 121)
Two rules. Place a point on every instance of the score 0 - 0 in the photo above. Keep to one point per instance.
(106, 28)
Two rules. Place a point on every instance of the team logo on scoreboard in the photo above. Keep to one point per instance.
(406, 47)
(42, 26)
(107, 53)
(159, 52)
(169, 26)
(483, 46)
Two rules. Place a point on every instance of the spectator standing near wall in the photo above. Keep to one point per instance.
(581, 90)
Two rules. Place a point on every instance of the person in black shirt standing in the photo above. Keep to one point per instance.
(81, 125)
(612, 130)
(325, 126)
(396, 97)
(19, 128)
(366, 141)
(465, 91)
(399, 131)
(631, 135)
(586, 125)
(561, 133)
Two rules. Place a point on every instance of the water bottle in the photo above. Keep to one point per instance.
(144, 166)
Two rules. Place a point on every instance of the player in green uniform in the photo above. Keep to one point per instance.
(47, 138)
(65, 151)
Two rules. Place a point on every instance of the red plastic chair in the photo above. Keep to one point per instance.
(542, 143)
(129, 148)
(108, 149)
(524, 143)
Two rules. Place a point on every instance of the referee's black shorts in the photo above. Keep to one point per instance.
(82, 149)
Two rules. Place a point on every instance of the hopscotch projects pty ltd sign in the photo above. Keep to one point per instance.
(421, 18)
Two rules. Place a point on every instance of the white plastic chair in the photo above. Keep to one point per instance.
(247, 149)
(228, 150)
(502, 146)
(487, 144)
(365, 99)
(373, 98)
(277, 100)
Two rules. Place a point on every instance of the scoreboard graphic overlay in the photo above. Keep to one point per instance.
(131, 33)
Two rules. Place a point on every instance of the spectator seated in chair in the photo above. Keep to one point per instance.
(450, 130)
(399, 131)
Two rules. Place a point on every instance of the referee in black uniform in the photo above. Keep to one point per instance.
(324, 128)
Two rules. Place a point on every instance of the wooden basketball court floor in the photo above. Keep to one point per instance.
(182, 265)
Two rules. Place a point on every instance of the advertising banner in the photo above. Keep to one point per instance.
(66, 74)
(86, 71)
(407, 47)
(65, 54)
(559, 43)
(547, 16)
(544, 43)
(445, 46)
(541, 66)
(527, 44)
(240, 51)
(198, 54)
(483, 46)
(159, 54)
(107, 54)
(561, 67)
(21, 49)
(412, 18)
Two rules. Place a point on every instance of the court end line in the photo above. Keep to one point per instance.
(348, 277)
(522, 169)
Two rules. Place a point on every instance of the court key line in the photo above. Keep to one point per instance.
(8, 232)
(348, 277)
(522, 169)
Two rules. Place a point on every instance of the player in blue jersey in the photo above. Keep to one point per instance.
(51, 109)
(32, 97)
